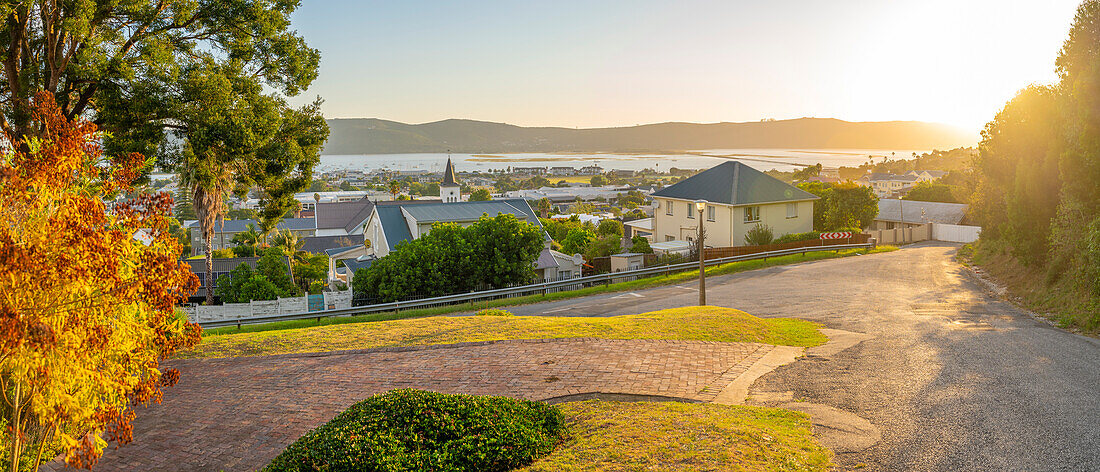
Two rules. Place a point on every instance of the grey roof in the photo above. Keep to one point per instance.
(356, 264)
(346, 215)
(320, 244)
(881, 176)
(734, 183)
(397, 230)
(449, 175)
(546, 260)
(237, 226)
(468, 211)
(921, 212)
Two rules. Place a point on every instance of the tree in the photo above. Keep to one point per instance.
(291, 244)
(273, 266)
(184, 208)
(850, 206)
(246, 242)
(480, 195)
(347, 186)
(821, 190)
(640, 245)
(506, 249)
(603, 246)
(395, 188)
(577, 241)
(228, 287)
(95, 57)
(759, 235)
(89, 292)
(806, 172)
(610, 228)
(931, 191)
(544, 207)
(493, 252)
(598, 180)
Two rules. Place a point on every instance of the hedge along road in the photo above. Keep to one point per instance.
(954, 378)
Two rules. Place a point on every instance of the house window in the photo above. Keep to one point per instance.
(668, 208)
(670, 238)
(792, 210)
(691, 210)
(710, 213)
(752, 214)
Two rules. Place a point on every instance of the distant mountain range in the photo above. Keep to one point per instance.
(375, 136)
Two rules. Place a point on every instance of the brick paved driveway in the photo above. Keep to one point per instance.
(237, 414)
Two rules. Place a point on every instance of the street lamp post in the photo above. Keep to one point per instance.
(701, 205)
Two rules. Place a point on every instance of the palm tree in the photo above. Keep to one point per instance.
(209, 181)
(250, 238)
(395, 187)
(544, 207)
(291, 244)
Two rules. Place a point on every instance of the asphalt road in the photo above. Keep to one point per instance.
(954, 378)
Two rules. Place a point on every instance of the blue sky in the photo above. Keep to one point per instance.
(615, 63)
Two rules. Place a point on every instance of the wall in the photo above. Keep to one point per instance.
(906, 235)
(955, 233)
(257, 308)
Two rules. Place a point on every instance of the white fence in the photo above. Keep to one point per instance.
(955, 233)
(259, 308)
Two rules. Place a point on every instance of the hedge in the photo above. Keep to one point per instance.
(414, 430)
(792, 237)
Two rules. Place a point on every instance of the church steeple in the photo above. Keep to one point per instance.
(449, 190)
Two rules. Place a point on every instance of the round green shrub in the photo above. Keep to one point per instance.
(415, 430)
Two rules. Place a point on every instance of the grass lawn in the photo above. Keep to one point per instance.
(690, 323)
(674, 278)
(619, 436)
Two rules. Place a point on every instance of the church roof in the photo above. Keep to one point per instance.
(449, 175)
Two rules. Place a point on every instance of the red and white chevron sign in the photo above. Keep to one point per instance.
(839, 235)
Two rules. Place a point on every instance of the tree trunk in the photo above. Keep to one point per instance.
(209, 269)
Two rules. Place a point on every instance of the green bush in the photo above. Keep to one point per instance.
(809, 235)
(759, 235)
(792, 237)
(414, 430)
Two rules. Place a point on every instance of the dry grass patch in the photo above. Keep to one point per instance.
(618, 436)
(707, 323)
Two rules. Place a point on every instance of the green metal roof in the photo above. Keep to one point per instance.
(734, 183)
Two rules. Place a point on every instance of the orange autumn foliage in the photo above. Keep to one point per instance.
(88, 288)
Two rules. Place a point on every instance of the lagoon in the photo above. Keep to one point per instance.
(761, 159)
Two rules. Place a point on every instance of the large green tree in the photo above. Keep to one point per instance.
(197, 83)
(1038, 178)
(850, 206)
(123, 62)
(493, 252)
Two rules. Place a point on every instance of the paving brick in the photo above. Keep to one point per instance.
(237, 414)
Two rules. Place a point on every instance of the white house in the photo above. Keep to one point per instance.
(737, 198)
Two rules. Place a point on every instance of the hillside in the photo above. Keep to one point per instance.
(375, 136)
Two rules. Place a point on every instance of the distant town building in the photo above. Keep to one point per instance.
(591, 170)
(529, 170)
(562, 171)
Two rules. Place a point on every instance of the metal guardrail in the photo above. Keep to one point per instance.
(539, 288)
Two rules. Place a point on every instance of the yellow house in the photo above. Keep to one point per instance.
(737, 198)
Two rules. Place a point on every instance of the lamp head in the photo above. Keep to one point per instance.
(700, 205)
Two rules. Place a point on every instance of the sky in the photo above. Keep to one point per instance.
(601, 63)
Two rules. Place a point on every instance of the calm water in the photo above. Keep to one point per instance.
(762, 159)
